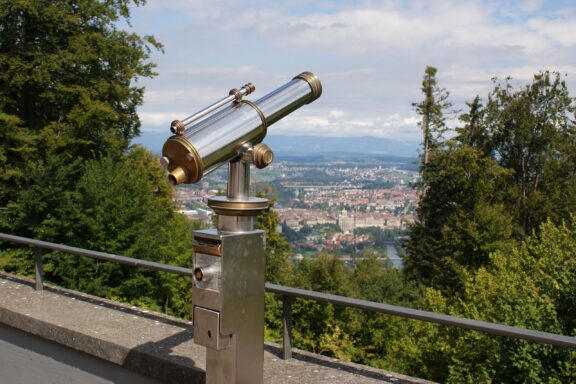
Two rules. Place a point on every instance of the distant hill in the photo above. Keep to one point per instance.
(367, 145)
(293, 146)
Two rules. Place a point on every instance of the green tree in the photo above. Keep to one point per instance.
(278, 267)
(431, 109)
(460, 218)
(314, 322)
(474, 133)
(532, 132)
(511, 166)
(122, 206)
(374, 333)
(277, 247)
(68, 92)
(549, 257)
(68, 97)
(531, 287)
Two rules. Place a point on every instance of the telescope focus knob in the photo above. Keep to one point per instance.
(262, 156)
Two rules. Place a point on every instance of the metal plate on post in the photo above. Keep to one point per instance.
(207, 329)
(243, 270)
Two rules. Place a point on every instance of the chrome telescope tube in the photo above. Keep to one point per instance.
(218, 138)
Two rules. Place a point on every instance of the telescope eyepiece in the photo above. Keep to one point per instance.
(177, 176)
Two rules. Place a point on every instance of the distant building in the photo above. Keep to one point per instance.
(361, 220)
(346, 223)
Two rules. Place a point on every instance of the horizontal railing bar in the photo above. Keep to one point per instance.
(98, 255)
(431, 317)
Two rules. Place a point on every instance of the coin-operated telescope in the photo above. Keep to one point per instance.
(229, 262)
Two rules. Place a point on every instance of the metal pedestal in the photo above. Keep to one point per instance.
(229, 273)
(228, 292)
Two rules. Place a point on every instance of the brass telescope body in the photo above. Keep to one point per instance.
(214, 140)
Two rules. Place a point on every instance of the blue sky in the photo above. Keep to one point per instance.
(369, 55)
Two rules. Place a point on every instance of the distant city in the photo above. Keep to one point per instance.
(344, 205)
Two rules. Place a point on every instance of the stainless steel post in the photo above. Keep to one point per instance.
(238, 179)
(228, 293)
(287, 327)
(238, 190)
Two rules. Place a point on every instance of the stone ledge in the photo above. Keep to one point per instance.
(149, 343)
(152, 344)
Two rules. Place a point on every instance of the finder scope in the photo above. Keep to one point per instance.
(231, 127)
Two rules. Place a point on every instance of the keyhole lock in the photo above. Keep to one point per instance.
(205, 274)
(198, 274)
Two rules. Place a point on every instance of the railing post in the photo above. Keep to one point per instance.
(287, 327)
(39, 268)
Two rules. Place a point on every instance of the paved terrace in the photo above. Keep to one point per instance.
(158, 348)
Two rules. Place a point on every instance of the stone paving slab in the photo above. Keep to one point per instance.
(150, 343)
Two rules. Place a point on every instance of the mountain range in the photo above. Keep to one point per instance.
(362, 145)
(309, 145)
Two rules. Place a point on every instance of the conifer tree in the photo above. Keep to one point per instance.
(68, 92)
(431, 110)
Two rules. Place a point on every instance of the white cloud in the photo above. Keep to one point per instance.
(198, 8)
(561, 31)
(370, 56)
(323, 124)
(336, 113)
(226, 71)
(517, 9)
(157, 122)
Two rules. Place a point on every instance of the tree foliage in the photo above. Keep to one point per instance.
(68, 97)
(68, 90)
(508, 168)
(122, 206)
(460, 218)
(432, 109)
(532, 132)
(530, 287)
(277, 247)
(494, 237)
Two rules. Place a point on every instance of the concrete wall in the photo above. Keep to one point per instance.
(28, 359)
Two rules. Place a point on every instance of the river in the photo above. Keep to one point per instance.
(392, 254)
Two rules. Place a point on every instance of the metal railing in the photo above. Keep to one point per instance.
(289, 294)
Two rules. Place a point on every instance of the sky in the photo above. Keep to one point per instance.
(369, 55)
